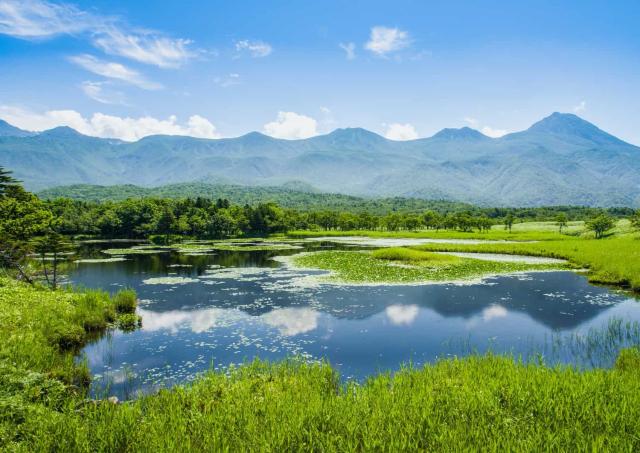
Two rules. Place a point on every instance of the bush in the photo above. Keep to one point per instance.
(126, 301)
(128, 321)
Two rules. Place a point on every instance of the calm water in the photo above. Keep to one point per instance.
(233, 306)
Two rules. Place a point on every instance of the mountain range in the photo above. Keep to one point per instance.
(561, 159)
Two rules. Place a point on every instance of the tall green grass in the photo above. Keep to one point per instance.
(41, 332)
(614, 260)
(478, 403)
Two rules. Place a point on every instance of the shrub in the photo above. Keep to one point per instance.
(126, 301)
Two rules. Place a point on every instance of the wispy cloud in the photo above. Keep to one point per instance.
(145, 47)
(227, 80)
(28, 19)
(349, 49)
(100, 92)
(385, 40)
(114, 70)
(580, 107)
(39, 19)
(291, 125)
(108, 126)
(256, 49)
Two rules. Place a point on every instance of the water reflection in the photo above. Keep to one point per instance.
(209, 311)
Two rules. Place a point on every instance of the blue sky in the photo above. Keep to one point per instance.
(294, 69)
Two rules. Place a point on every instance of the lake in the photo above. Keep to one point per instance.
(204, 311)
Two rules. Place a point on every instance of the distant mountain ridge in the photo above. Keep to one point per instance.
(560, 160)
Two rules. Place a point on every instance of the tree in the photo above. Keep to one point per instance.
(508, 222)
(635, 220)
(561, 221)
(50, 248)
(600, 225)
(22, 216)
(6, 181)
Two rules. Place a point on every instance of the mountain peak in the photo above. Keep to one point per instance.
(7, 130)
(463, 133)
(568, 124)
(61, 131)
(353, 135)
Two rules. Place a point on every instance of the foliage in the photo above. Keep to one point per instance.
(125, 301)
(635, 220)
(562, 220)
(600, 225)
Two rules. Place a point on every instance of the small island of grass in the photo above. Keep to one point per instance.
(405, 265)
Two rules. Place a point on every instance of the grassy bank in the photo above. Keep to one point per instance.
(404, 265)
(479, 403)
(613, 261)
(40, 333)
(487, 402)
(496, 234)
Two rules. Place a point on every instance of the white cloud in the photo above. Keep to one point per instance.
(486, 130)
(108, 126)
(256, 49)
(292, 321)
(33, 19)
(227, 80)
(98, 92)
(350, 50)
(145, 47)
(114, 71)
(580, 107)
(491, 132)
(402, 314)
(472, 122)
(291, 125)
(384, 40)
(30, 19)
(397, 131)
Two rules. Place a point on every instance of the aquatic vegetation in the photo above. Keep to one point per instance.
(101, 260)
(135, 251)
(128, 321)
(234, 247)
(169, 280)
(125, 301)
(399, 265)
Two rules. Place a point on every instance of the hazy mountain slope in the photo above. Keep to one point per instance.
(561, 159)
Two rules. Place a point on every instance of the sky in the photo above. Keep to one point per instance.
(295, 69)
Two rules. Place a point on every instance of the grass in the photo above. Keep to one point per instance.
(232, 247)
(496, 234)
(40, 333)
(488, 403)
(403, 265)
(613, 261)
(135, 251)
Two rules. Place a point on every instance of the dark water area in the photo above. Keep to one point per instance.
(225, 308)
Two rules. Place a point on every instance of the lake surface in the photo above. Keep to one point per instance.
(208, 311)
